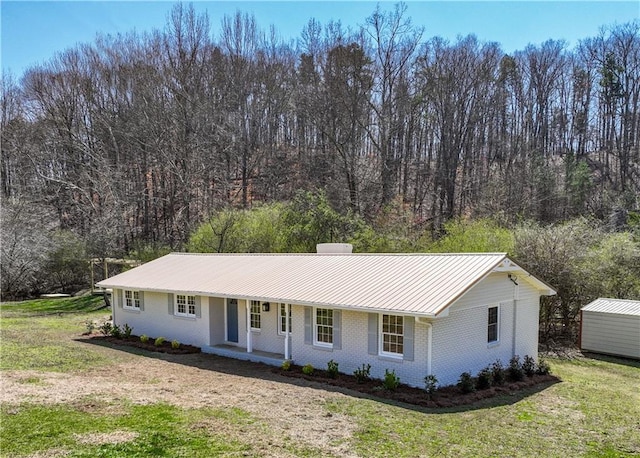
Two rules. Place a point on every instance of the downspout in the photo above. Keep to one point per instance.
(287, 311)
(516, 297)
(249, 340)
(429, 352)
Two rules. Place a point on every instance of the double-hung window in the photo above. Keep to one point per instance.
(392, 335)
(255, 315)
(493, 328)
(323, 324)
(132, 300)
(282, 319)
(185, 305)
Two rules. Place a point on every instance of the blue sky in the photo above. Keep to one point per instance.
(33, 31)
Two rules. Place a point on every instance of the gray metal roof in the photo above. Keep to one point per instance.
(616, 306)
(419, 284)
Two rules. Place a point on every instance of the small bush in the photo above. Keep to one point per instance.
(543, 368)
(362, 374)
(126, 331)
(144, 338)
(391, 380)
(105, 328)
(466, 383)
(116, 331)
(332, 369)
(90, 326)
(430, 384)
(497, 373)
(159, 341)
(529, 366)
(175, 344)
(286, 365)
(307, 369)
(484, 379)
(515, 371)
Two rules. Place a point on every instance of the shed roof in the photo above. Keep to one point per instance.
(615, 306)
(418, 284)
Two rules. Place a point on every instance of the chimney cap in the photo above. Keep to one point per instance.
(334, 248)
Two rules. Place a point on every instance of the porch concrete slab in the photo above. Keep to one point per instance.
(257, 356)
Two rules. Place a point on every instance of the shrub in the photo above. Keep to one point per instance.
(543, 368)
(515, 371)
(332, 369)
(497, 373)
(90, 326)
(362, 374)
(465, 383)
(116, 331)
(175, 344)
(430, 384)
(105, 328)
(286, 365)
(144, 338)
(126, 331)
(529, 366)
(307, 369)
(159, 341)
(391, 380)
(484, 379)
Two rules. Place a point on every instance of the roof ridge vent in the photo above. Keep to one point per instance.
(334, 248)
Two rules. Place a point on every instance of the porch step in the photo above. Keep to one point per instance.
(256, 356)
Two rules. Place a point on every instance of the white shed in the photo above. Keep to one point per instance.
(611, 326)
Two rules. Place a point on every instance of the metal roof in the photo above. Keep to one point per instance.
(616, 306)
(419, 284)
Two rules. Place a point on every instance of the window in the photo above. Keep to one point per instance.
(392, 335)
(255, 315)
(132, 300)
(492, 325)
(186, 305)
(324, 327)
(282, 323)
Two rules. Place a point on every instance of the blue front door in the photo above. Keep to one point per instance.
(232, 320)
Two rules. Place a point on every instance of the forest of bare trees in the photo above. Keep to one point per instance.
(138, 139)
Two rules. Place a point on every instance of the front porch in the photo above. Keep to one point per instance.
(256, 356)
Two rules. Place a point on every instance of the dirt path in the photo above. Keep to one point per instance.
(291, 409)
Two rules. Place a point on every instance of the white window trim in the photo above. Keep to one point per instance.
(280, 316)
(186, 306)
(497, 341)
(251, 312)
(134, 300)
(381, 352)
(316, 342)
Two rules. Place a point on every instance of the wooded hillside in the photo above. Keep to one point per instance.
(136, 140)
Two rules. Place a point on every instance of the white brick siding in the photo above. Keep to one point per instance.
(459, 336)
(460, 339)
(354, 350)
(155, 320)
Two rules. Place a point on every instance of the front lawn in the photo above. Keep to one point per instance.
(63, 396)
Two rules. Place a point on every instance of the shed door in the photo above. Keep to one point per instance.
(232, 320)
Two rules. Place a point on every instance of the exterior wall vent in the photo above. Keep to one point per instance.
(334, 248)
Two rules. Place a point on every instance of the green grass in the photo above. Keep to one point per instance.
(593, 412)
(158, 430)
(38, 334)
(80, 304)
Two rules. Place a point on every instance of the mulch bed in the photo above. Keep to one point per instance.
(134, 341)
(447, 396)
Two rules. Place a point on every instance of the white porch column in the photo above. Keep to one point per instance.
(249, 341)
(429, 345)
(287, 311)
